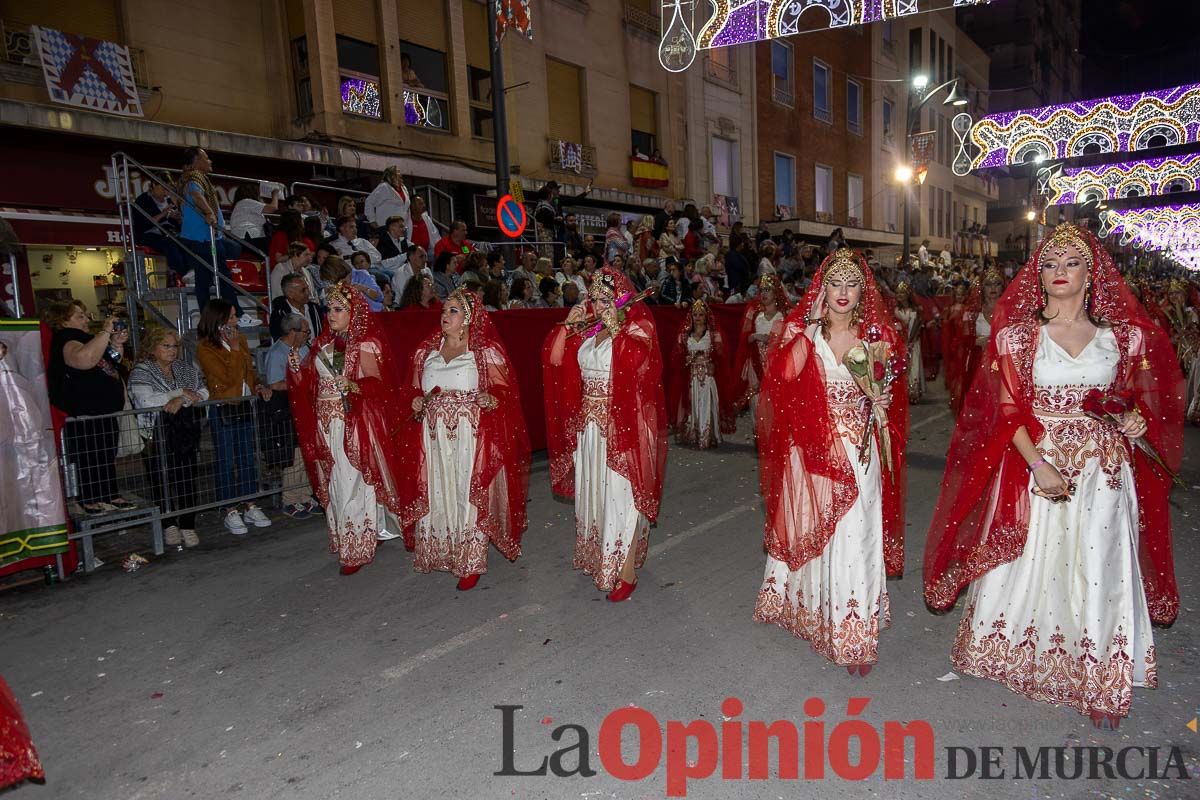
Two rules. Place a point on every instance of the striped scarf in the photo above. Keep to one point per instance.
(206, 187)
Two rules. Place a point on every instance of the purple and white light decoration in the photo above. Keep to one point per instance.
(1153, 176)
(741, 21)
(1119, 124)
(1174, 228)
(677, 48)
(360, 96)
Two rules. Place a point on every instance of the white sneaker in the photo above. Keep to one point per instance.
(256, 517)
(247, 321)
(233, 521)
(172, 536)
(384, 536)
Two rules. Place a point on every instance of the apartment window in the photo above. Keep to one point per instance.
(724, 166)
(564, 93)
(785, 182)
(854, 201)
(890, 210)
(721, 63)
(853, 106)
(821, 92)
(824, 190)
(358, 68)
(782, 90)
(304, 106)
(427, 101)
(914, 51)
(889, 34)
(643, 120)
(888, 108)
(479, 69)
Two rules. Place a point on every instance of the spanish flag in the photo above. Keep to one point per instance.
(649, 173)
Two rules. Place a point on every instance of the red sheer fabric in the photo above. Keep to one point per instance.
(931, 343)
(982, 516)
(954, 351)
(679, 395)
(18, 759)
(806, 479)
(748, 363)
(500, 472)
(368, 442)
(636, 431)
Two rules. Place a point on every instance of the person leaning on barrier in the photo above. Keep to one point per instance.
(84, 380)
(228, 368)
(163, 380)
(279, 444)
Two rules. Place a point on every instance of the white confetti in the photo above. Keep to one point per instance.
(949, 676)
(36, 694)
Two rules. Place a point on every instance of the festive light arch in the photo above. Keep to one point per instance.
(1154, 176)
(1127, 122)
(1163, 228)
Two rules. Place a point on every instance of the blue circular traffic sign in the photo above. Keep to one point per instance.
(511, 216)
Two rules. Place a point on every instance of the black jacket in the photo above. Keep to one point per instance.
(280, 309)
(387, 248)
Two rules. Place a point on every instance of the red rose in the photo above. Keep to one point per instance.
(1114, 405)
(435, 391)
(1127, 396)
(879, 370)
(1093, 403)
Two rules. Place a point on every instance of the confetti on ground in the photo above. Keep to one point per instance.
(949, 676)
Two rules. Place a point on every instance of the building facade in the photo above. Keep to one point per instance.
(815, 135)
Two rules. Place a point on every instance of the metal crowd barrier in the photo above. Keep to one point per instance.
(173, 466)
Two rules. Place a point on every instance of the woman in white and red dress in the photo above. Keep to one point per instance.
(977, 327)
(835, 527)
(467, 448)
(1056, 522)
(18, 759)
(761, 321)
(343, 406)
(912, 323)
(702, 395)
(606, 426)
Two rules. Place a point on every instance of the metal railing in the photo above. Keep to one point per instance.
(169, 467)
(135, 277)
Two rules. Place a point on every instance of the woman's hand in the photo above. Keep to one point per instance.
(884, 400)
(418, 405)
(264, 392)
(345, 385)
(1050, 482)
(173, 405)
(487, 402)
(192, 397)
(1133, 425)
(818, 307)
(577, 314)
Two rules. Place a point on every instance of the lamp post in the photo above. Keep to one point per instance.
(917, 97)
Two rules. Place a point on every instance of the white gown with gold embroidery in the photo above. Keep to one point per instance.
(838, 601)
(448, 538)
(703, 426)
(607, 523)
(1067, 622)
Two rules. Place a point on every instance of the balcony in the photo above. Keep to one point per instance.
(572, 157)
(642, 21)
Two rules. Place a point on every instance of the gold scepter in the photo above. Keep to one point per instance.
(581, 325)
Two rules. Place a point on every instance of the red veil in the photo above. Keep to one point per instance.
(971, 353)
(954, 350)
(982, 516)
(747, 365)
(636, 431)
(372, 413)
(679, 399)
(500, 472)
(931, 343)
(806, 479)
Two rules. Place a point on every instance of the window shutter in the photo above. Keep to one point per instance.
(566, 110)
(423, 22)
(642, 110)
(476, 30)
(356, 19)
(95, 18)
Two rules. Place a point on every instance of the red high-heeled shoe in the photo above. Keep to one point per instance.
(621, 591)
(859, 670)
(1106, 722)
(468, 583)
(349, 570)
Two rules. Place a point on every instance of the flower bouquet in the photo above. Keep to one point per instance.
(875, 368)
(334, 359)
(1111, 408)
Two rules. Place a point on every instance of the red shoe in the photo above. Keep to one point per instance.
(622, 591)
(852, 669)
(864, 670)
(348, 570)
(468, 583)
(1106, 722)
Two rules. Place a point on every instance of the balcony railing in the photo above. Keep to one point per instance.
(572, 157)
(640, 19)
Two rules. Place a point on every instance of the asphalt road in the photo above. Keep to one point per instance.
(249, 668)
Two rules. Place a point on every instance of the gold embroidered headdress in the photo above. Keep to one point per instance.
(341, 293)
(466, 300)
(845, 266)
(603, 286)
(1068, 234)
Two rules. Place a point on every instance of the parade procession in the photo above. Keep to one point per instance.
(600, 398)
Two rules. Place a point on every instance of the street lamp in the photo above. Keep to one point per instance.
(917, 98)
(1030, 216)
(904, 174)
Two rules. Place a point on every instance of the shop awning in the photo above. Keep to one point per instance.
(38, 226)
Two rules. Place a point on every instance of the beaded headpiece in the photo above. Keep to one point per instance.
(603, 286)
(992, 275)
(1068, 234)
(701, 304)
(844, 266)
(766, 283)
(1177, 285)
(342, 294)
(466, 300)
(902, 287)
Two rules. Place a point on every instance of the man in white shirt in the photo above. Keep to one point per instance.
(416, 262)
(347, 242)
(923, 253)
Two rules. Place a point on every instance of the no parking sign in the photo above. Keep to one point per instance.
(511, 216)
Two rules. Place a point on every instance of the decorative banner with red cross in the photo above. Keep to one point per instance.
(88, 73)
(513, 14)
